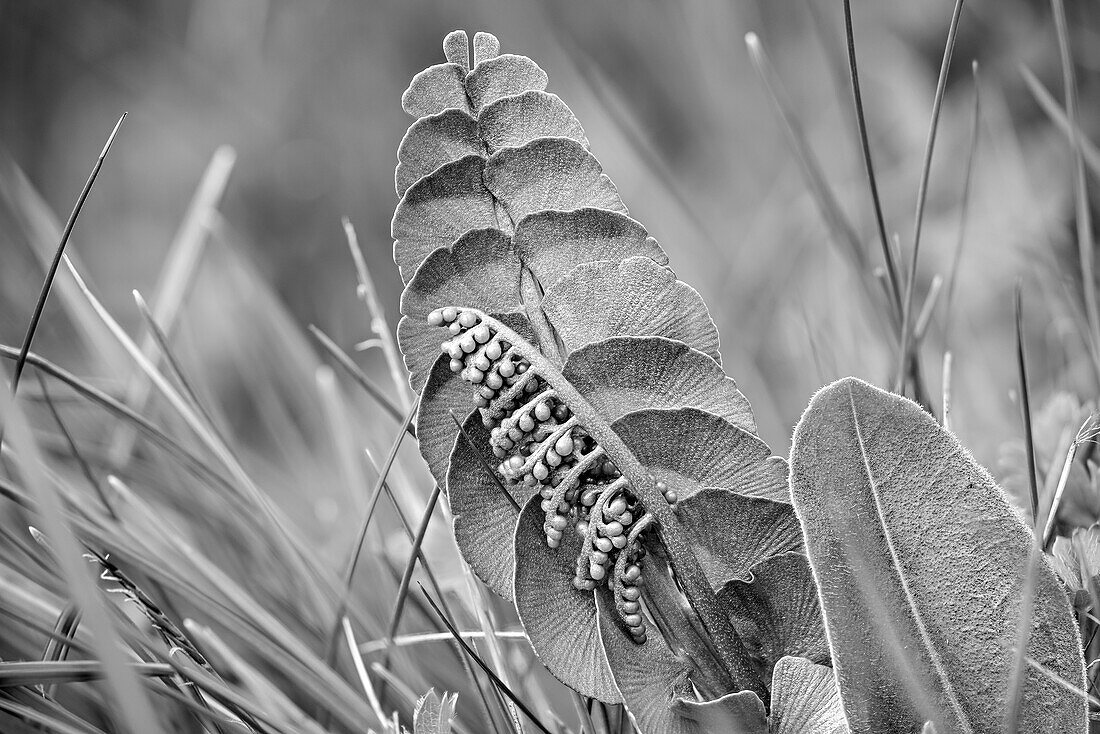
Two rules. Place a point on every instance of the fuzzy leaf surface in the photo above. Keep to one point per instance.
(733, 532)
(559, 621)
(484, 520)
(919, 561)
(776, 611)
(433, 142)
(623, 374)
(691, 449)
(632, 297)
(805, 699)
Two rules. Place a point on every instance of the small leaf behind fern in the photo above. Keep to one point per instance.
(919, 560)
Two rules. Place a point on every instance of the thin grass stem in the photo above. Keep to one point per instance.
(174, 285)
(1025, 408)
(1083, 216)
(922, 193)
(359, 376)
(40, 304)
(964, 205)
(865, 146)
(369, 295)
(504, 689)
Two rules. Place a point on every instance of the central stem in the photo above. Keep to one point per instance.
(701, 597)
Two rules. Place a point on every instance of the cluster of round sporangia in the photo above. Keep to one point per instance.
(542, 447)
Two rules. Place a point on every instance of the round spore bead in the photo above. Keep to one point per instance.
(612, 529)
(564, 444)
(597, 572)
(454, 327)
(603, 544)
(493, 351)
(542, 412)
(467, 318)
(506, 369)
(632, 573)
(481, 333)
(435, 318)
(456, 365)
(526, 423)
(450, 313)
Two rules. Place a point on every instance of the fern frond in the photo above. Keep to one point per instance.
(590, 378)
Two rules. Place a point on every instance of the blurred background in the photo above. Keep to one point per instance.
(307, 94)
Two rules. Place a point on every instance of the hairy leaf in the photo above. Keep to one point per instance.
(691, 449)
(433, 142)
(551, 243)
(512, 122)
(805, 699)
(549, 173)
(776, 611)
(438, 209)
(480, 268)
(623, 374)
(737, 713)
(733, 533)
(566, 641)
(484, 519)
(920, 562)
(632, 297)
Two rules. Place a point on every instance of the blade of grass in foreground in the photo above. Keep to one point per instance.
(367, 293)
(865, 146)
(964, 205)
(488, 671)
(40, 305)
(131, 702)
(174, 284)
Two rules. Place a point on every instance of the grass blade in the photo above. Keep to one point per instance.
(964, 205)
(174, 284)
(865, 145)
(1025, 407)
(488, 671)
(132, 704)
(369, 295)
(357, 374)
(40, 305)
(1083, 216)
(922, 192)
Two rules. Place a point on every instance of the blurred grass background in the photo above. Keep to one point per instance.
(308, 95)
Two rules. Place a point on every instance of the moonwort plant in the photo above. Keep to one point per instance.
(606, 477)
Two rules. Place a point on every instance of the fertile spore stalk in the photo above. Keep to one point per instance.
(548, 439)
